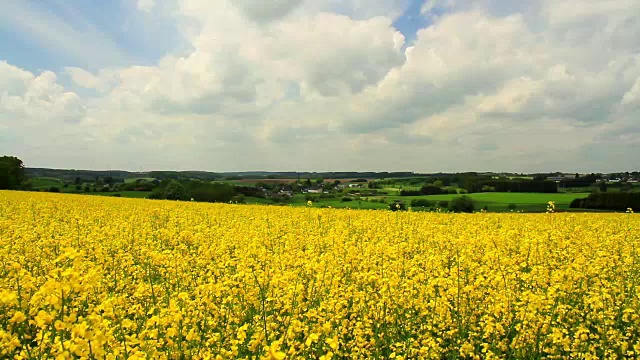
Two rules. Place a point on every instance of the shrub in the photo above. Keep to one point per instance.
(346, 199)
(422, 203)
(461, 204)
(157, 194)
(511, 207)
(397, 206)
(430, 190)
(238, 199)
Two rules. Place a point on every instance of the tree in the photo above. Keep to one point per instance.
(397, 206)
(603, 187)
(430, 189)
(174, 191)
(11, 173)
(462, 204)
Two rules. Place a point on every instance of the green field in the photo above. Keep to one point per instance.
(499, 202)
(131, 180)
(299, 200)
(39, 183)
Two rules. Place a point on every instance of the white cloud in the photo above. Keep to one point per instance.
(633, 95)
(267, 10)
(146, 5)
(35, 99)
(329, 85)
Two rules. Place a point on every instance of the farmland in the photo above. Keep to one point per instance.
(98, 277)
(499, 202)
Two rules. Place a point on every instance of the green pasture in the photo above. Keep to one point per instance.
(499, 202)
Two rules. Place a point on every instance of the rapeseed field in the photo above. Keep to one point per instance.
(106, 278)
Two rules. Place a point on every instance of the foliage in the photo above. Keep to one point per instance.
(462, 203)
(422, 203)
(397, 206)
(602, 187)
(427, 189)
(476, 184)
(619, 201)
(249, 191)
(175, 191)
(103, 277)
(12, 173)
(431, 190)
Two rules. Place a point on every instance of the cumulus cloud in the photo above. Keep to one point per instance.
(332, 85)
(266, 11)
(146, 5)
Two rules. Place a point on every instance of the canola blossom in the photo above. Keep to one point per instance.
(106, 278)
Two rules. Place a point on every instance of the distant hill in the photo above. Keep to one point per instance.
(72, 174)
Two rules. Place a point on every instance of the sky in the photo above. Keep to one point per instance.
(322, 85)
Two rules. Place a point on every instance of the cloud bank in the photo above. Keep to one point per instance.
(333, 85)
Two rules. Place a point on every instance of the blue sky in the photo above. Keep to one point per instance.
(138, 38)
(141, 38)
(324, 85)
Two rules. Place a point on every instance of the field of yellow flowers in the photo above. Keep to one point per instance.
(95, 277)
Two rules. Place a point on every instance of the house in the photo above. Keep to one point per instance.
(314, 191)
(355, 186)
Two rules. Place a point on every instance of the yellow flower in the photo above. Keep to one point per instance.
(43, 319)
(18, 317)
(333, 343)
(274, 353)
(327, 356)
(152, 279)
(8, 297)
(59, 325)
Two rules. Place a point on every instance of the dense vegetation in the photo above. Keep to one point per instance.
(509, 185)
(12, 174)
(620, 201)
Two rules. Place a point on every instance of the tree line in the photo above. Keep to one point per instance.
(618, 201)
